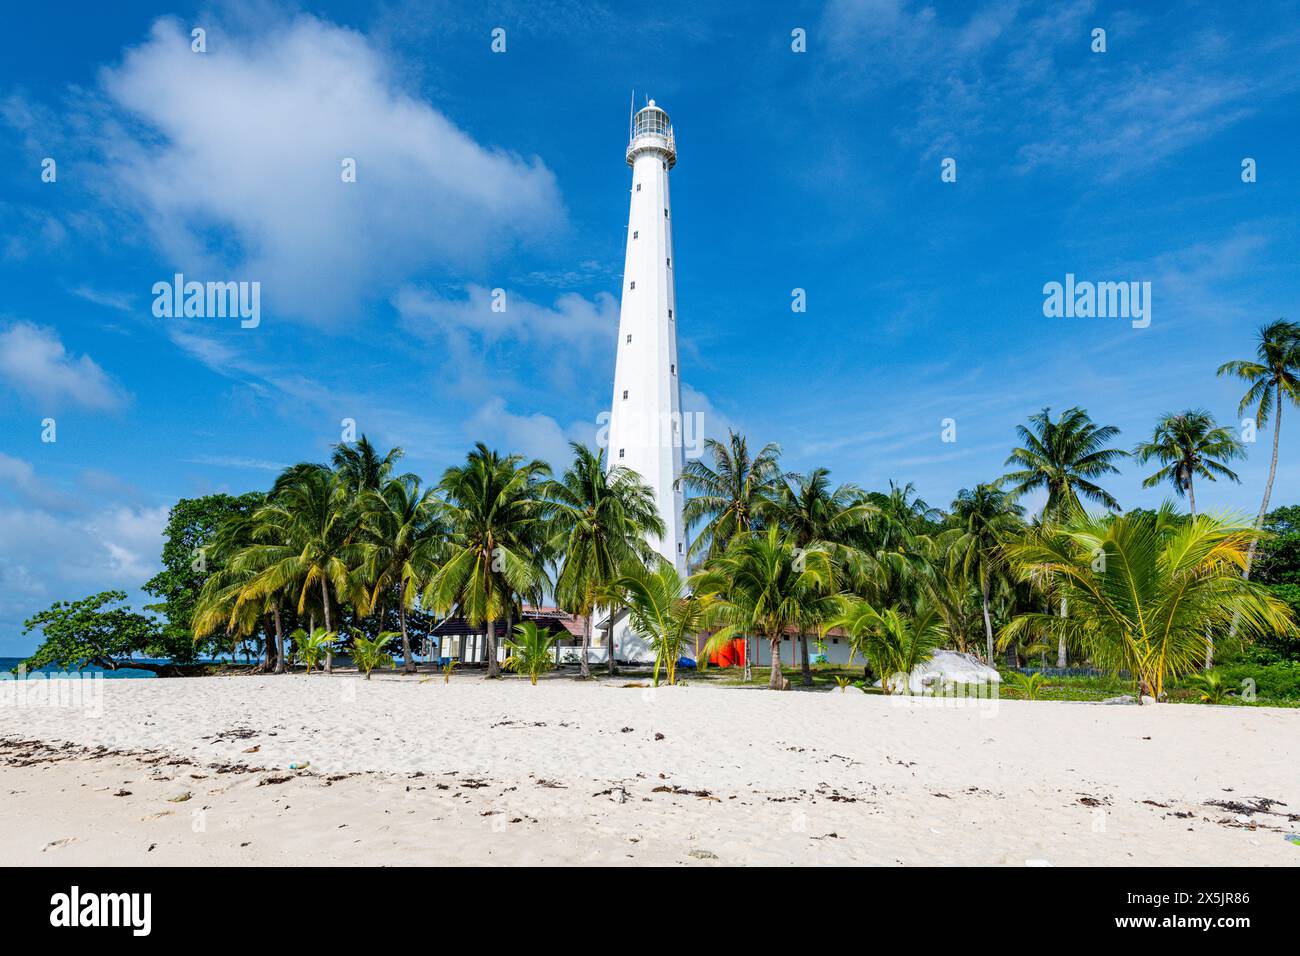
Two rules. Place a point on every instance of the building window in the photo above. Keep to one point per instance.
(629, 336)
(679, 547)
(633, 283)
(670, 313)
(665, 213)
(674, 368)
(635, 233)
(625, 393)
(620, 453)
(638, 187)
(670, 262)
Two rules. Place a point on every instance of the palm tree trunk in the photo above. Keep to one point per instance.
(268, 649)
(408, 665)
(609, 643)
(329, 652)
(1268, 488)
(279, 640)
(584, 671)
(988, 623)
(775, 680)
(805, 665)
(1060, 647)
(490, 649)
(1191, 498)
(748, 671)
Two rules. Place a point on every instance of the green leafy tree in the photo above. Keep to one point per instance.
(986, 516)
(93, 632)
(1063, 458)
(599, 521)
(1145, 590)
(530, 650)
(312, 647)
(402, 542)
(764, 585)
(496, 520)
(190, 556)
(662, 610)
(813, 513)
(1274, 377)
(369, 653)
(893, 642)
(1189, 445)
(732, 496)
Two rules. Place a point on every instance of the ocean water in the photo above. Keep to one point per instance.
(8, 663)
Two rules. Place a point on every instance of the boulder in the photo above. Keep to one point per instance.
(950, 667)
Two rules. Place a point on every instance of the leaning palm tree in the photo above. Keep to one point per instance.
(599, 523)
(894, 642)
(1274, 378)
(1145, 588)
(1189, 445)
(531, 651)
(763, 585)
(731, 497)
(305, 542)
(986, 516)
(661, 609)
(402, 539)
(495, 514)
(1063, 457)
(815, 514)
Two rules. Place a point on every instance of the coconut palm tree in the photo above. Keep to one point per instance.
(403, 540)
(663, 610)
(1189, 445)
(763, 585)
(312, 646)
(599, 523)
(530, 651)
(496, 516)
(986, 516)
(304, 541)
(1144, 589)
(1274, 377)
(369, 654)
(731, 497)
(360, 468)
(1063, 457)
(893, 642)
(813, 513)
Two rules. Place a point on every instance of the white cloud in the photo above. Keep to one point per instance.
(34, 363)
(573, 319)
(246, 142)
(535, 435)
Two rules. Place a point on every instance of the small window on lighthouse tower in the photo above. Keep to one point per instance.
(635, 233)
(679, 547)
(633, 284)
(674, 368)
(665, 213)
(670, 313)
(625, 393)
(670, 262)
(629, 336)
(620, 453)
(638, 187)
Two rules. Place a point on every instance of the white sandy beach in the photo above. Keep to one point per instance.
(410, 772)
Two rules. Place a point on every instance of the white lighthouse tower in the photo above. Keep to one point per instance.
(645, 425)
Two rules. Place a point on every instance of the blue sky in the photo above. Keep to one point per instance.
(816, 170)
